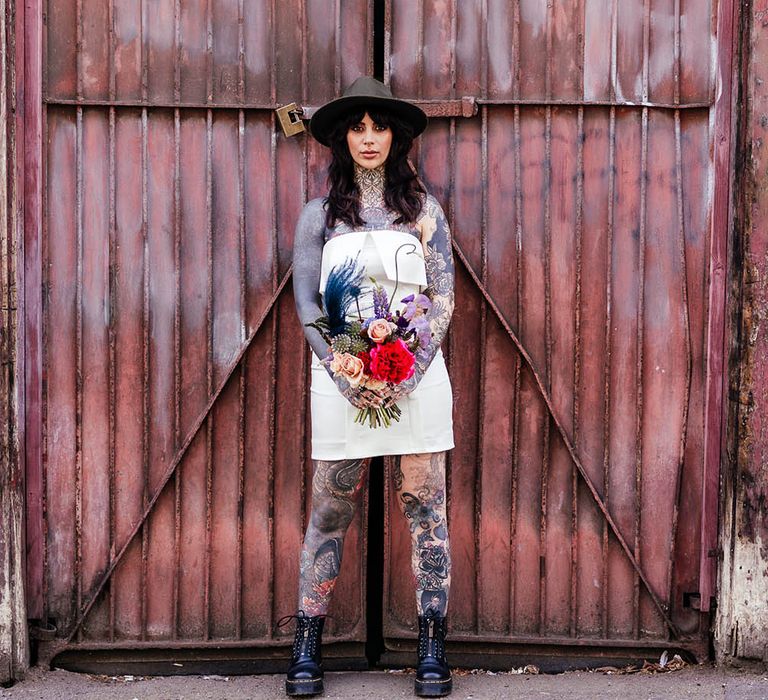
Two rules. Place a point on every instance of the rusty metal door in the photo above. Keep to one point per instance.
(583, 348)
(166, 403)
(590, 249)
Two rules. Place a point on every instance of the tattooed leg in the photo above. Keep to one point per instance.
(335, 490)
(420, 485)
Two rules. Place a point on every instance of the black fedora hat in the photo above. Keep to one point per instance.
(364, 92)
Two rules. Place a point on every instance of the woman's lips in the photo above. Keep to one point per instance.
(369, 154)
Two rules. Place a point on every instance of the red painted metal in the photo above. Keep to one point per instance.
(202, 417)
(30, 129)
(579, 203)
(546, 397)
(716, 368)
(176, 404)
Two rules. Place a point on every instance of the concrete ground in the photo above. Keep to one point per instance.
(699, 682)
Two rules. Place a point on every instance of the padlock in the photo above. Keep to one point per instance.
(290, 119)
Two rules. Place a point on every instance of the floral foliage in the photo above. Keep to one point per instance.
(377, 350)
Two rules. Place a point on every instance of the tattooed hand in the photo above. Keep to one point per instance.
(434, 231)
(359, 397)
(398, 391)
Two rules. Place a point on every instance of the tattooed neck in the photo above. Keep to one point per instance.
(370, 183)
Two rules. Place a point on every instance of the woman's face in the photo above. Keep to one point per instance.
(369, 143)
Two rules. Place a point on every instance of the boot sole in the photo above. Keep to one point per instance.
(311, 686)
(433, 689)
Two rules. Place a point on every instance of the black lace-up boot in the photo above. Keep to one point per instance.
(433, 677)
(305, 676)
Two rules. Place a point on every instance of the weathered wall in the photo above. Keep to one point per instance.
(13, 625)
(742, 621)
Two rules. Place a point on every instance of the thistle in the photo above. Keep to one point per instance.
(354, 328)
(357, 345)
(342, 343)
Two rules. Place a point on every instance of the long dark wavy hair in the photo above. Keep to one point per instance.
(403, 190)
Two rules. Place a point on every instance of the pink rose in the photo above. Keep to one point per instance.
(380, 329)
(348, 366)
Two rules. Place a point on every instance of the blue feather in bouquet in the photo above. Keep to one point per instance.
(342, 289)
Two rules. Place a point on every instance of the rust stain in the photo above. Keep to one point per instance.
(752, 451)
(743, 615)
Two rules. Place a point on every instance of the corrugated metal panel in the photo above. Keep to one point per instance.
(594, 51)
(580, 202)
(170, 206)
(585, 223)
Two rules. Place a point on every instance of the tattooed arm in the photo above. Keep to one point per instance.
(438, 259)
(307, 258)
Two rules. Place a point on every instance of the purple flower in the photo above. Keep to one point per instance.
(424, 302)
(420, 324)
(380, 302)
(416, 304)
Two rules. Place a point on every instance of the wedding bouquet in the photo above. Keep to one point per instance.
(377, 351)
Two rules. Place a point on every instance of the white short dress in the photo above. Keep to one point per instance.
(426, 422)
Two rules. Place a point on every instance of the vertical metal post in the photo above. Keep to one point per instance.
(29, 131)
(14, 657)
(723, 143)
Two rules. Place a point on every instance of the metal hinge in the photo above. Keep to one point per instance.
(692, 600)
(42, 631)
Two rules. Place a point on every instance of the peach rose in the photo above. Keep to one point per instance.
(375, 384)
(380, 329)
(349, 366)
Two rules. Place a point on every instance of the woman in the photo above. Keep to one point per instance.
(377, 213)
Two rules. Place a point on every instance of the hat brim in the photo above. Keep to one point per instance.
(326, 117)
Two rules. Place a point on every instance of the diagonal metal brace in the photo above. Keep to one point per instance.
(178, 457)
(235, 363)
(567, 439)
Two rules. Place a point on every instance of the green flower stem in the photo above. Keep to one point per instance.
(376, 417)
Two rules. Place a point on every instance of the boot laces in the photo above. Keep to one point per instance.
(433, 642)
(305, 640)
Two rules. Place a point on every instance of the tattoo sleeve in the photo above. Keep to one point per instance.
(307, 261)
(307, 257)
(438, 259)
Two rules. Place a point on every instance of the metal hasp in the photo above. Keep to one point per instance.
(291, 115)
(463, 107)
(290, 119)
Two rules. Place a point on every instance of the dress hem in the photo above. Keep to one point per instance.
(387, 453)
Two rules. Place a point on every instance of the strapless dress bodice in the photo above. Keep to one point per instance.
(393, 258)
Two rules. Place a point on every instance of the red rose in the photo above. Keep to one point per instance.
(392, 362)
(366, 358)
